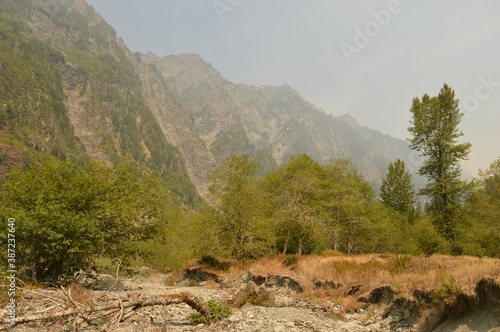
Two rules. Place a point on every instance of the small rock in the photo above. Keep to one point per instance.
(407, 314)
(279, 328)
(233, 319)
(290, 324)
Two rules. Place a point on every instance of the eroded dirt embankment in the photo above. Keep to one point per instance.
(382, 308)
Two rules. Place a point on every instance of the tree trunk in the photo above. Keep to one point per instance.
(285, 245)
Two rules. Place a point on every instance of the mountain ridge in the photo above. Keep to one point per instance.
(274, 119)
(177, 113)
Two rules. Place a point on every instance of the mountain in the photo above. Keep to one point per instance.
(70, 87)
(208, 117)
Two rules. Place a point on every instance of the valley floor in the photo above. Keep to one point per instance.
(299, 302)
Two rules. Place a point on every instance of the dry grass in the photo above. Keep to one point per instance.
(273, 265)
(403, 273)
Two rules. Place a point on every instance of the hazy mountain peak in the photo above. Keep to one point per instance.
(349, 119)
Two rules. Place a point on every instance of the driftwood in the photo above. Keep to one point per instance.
(118, 305)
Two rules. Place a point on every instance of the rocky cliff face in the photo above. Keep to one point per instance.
(177, 114)
(207, 118)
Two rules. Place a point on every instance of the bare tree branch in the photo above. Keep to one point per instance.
(120, 305)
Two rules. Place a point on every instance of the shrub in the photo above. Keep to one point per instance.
(218, 311)
(69, 215)
(214, 263)
(253, 295)
(401, 263)
(290, 260)
(448, 290)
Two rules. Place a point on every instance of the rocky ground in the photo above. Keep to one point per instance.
(288, 312)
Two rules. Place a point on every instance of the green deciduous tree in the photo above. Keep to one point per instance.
(344, 201)
(234, 194)
(435, 134)
(68, 215)
(294, 192)
(483, 231)
(396, 191)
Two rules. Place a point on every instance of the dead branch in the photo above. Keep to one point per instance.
(119, 304)
(117, 273)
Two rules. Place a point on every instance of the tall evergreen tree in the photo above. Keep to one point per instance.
(435, 134)
(396, 191)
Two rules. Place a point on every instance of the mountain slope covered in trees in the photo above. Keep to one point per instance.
(70, 89)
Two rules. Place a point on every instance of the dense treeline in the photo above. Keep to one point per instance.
(305, 207)
(70, 215)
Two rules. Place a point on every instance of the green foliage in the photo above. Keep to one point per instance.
(238, 219)
(290, 260)
(401, 262)
(294, 195)
(429, 240)
(448, 290)
(218, 311)
(435, 134)
(69, 215)
(173, 242)
(214, 263)
(396, 191)
(481, 233)
(31, 90)
(346, 201)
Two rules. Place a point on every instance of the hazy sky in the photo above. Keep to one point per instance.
(365, 58)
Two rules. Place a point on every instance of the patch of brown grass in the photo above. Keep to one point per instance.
(273, 265)
(403, 273)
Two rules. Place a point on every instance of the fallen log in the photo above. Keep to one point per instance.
(119, 304)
